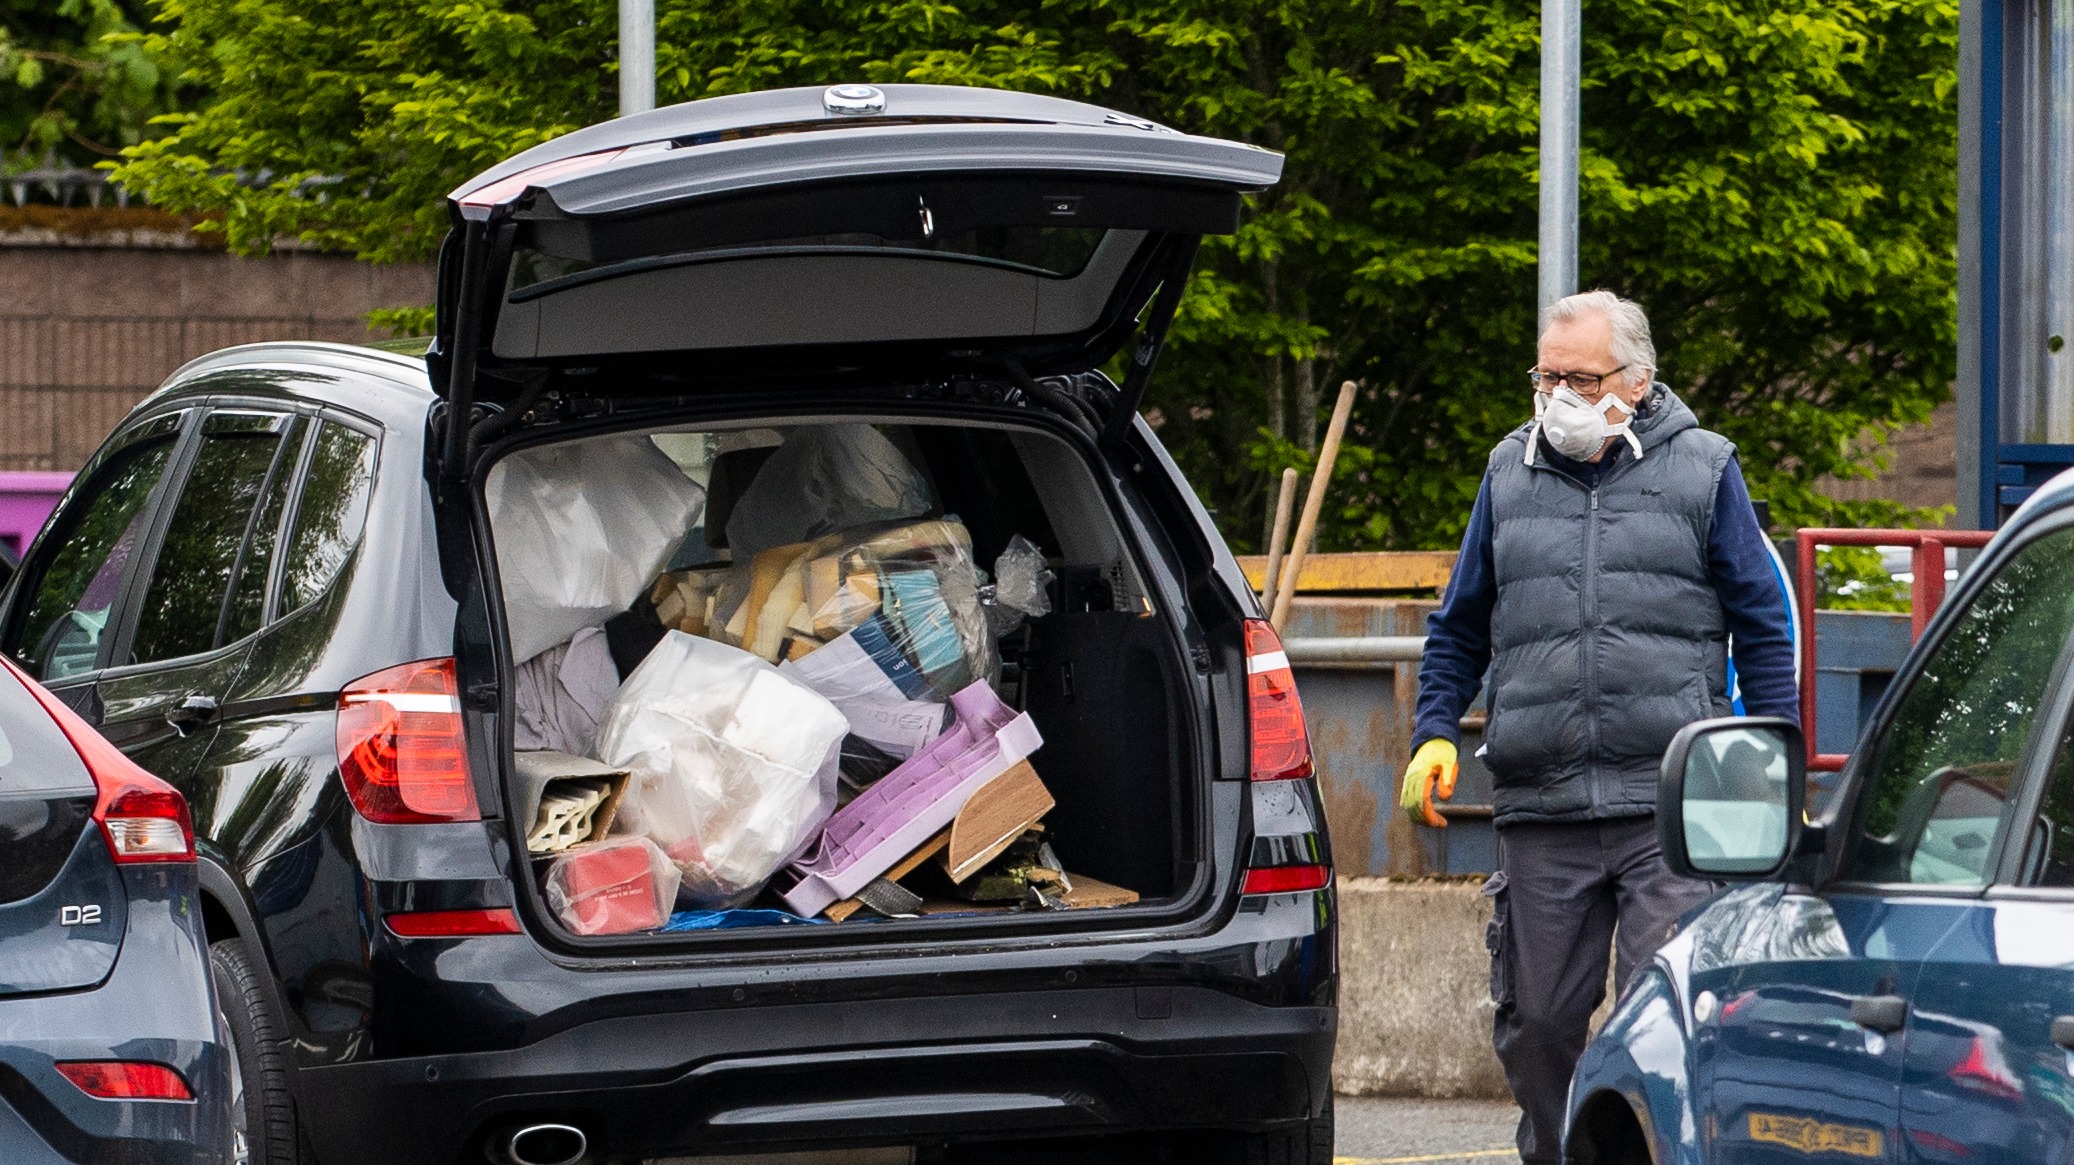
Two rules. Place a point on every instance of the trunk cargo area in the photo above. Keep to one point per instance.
(835, 672)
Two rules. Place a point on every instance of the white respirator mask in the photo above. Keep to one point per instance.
(1577, 428)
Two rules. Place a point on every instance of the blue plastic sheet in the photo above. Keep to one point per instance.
(734, 919)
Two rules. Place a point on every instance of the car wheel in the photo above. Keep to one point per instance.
(262, 1111)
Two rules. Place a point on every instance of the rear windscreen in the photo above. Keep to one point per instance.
(1061, 252)
(35, 758)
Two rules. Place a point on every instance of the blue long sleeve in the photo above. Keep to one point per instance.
(1752, 602)
(1458, 634)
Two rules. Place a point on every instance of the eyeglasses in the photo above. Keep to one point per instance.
(1580, 382)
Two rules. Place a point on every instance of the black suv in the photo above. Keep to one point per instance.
(278, 586)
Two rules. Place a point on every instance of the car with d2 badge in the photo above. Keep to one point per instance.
(1891, 978)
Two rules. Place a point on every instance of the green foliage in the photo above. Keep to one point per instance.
(1775, 180)
(1851, 578)
(77, 81)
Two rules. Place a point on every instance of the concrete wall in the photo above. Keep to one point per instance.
(1415, 990)
(88, 328)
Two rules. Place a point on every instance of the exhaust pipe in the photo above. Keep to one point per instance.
(541, 1144)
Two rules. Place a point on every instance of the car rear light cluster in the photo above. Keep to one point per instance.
(143, 818)
(1281, 744)
(125, 1080)
(401, 751)
(1281, 748)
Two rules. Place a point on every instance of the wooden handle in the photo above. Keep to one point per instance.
(1313, 502)
(1278, 539)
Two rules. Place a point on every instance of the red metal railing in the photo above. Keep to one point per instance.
(1924, 595)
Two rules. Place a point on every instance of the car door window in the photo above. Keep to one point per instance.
(68, 605)
(1937, 787)
(331, 514)
(183, 607)
(246, 610)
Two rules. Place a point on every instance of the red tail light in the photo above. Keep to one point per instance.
(125, 1080)
(1285, 879)
(143, 818)
(401, 752)
(453, 923)
(1281, 744)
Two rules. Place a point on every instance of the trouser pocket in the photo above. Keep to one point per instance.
(1496, 938)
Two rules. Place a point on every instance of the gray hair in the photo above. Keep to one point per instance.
(1631, 343)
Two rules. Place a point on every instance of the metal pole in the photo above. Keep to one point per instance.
(636, 56)
(1562, 36)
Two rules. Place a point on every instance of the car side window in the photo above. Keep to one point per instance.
(1937, 789)
(331, 515)
(68, 604)
(183, 607)
(246, 610)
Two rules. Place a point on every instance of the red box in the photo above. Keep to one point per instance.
(611, 890)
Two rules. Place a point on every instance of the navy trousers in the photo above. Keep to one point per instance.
(1561, 895)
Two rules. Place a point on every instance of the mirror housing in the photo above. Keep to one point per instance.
(1730, 798)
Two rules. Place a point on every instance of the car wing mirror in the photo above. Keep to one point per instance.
(1730, 798)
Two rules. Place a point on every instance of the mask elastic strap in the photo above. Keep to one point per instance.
(1626, 427)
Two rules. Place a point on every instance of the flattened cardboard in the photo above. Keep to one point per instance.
(992, 818)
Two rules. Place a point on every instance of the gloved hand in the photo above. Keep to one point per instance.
(1432, 769)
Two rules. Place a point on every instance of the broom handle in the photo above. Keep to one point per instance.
(1313, 502)
(1278, 540)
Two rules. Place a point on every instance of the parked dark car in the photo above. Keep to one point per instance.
(277, 586)
(110, 1048)
(1894, 979)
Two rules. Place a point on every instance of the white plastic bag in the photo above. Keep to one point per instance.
(618, 886)
(733, 763)
(581, 528)
(823, 479)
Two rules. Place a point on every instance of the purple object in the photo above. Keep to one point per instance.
(26, 500)
(914, 802)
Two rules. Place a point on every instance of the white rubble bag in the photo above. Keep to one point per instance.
(733, 764)
(582, 528)
(823, 479)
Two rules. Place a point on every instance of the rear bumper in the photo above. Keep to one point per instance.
(1093, 1060)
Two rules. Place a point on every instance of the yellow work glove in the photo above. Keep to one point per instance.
(1432, 769)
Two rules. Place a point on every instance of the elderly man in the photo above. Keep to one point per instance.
(1611, 556)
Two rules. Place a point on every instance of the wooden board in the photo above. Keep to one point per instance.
(1382, 570)
(1002, 810)
(1088, 893)
(901, 869)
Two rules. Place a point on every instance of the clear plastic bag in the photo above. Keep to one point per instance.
(732, 763)
(617, 886)
(581, 529)
(823, 479)
(917, 579)
(1021, 587)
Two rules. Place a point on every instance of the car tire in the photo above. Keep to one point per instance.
(258, 1039)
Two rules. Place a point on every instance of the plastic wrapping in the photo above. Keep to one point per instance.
(581, 528)
(915, 578)
(617, 886)
(733, 763)
(825, 478)
(1021, 587)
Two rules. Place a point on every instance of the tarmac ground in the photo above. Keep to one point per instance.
(1383, 1131)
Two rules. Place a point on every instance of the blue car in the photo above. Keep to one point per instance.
(1890, 979)
(111, 1047)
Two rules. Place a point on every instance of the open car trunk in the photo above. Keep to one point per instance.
(900, 670)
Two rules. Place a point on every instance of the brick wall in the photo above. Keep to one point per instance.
(88, 329)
